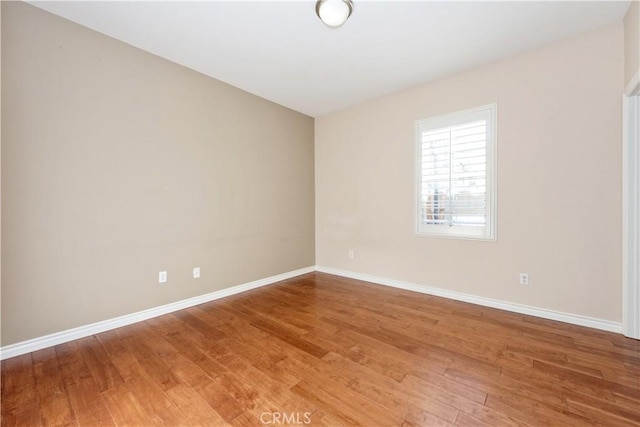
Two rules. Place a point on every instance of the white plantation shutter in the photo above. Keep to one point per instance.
(456, 174)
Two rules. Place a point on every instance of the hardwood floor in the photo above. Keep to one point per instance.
(324, 350)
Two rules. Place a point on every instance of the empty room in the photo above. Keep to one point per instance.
(324, 213)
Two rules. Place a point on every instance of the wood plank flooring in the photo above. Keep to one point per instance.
(328, 351)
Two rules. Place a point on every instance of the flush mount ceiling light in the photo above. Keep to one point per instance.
(334, 13)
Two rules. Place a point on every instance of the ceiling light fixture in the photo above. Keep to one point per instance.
(334, 13)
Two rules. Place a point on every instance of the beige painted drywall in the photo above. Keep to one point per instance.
(632, 42)
(117, 164)
(0, 172)
(559, 181)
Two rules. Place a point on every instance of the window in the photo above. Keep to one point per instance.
(456, 174)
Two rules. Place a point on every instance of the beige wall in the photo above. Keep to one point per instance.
(0, 169)
(117, 164)
(559, 181)
(632, 42)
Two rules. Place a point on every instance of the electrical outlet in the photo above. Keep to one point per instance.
(162, 277)
(196, 272)
(524, 278)
(351, 254)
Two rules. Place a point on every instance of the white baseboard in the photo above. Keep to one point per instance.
(106, 325)
(575, 319)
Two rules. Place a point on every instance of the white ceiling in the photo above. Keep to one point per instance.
(280, 50)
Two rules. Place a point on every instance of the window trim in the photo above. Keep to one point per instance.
(489, 232)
